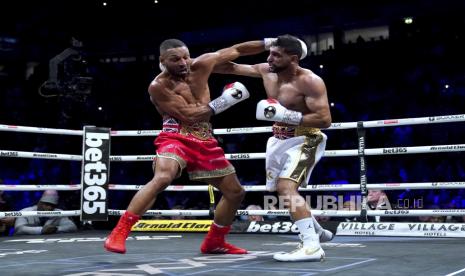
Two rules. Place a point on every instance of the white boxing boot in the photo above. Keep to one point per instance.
(312, 253)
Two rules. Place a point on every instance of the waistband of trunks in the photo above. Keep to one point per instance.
(200, 130)
(285, 132)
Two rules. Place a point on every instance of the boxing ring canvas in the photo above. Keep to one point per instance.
(178, 254)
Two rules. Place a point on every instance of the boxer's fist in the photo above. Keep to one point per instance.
(232, 94)
(271, 40)
(272, 110)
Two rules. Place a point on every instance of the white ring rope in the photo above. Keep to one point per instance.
(253, 188)
(247, 130)
(40, 187)
(245, 156)
(313, 187)
(205, 213)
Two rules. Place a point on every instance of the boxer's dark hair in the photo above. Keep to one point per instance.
(169, 44)
(289, 43)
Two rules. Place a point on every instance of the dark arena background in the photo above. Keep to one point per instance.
(390, 185)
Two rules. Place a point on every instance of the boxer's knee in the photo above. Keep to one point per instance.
(232, 189)
(238, 193)
(159, 183)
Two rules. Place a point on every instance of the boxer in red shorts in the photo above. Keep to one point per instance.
(181, 95)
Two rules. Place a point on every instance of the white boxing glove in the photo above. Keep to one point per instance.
(272, 110)
(269, 41)
(232, 94)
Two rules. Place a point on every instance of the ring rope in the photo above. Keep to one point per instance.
(248, 188)
(205, 213)
(246, 156)
(247, 130)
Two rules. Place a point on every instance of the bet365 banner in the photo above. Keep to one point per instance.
(95, 173)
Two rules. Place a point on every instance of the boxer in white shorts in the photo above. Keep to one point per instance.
(298, 104)
(291, 156)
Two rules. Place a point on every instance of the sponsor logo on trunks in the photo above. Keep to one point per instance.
(394, 150)
(9, 153)
(173, 225)
(272, 227)
(95, 176)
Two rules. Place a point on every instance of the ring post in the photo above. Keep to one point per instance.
(363, 171)
(95, 173)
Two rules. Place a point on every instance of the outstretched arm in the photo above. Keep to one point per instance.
(238, 69)
(207, 62)
(242, 49)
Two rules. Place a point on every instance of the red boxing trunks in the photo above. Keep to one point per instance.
(193, 147)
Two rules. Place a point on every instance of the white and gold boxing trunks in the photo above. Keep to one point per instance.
(292, 153)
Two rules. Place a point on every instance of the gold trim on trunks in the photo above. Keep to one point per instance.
(284, 132)
(182, 163)
(195, 175)
(201, 130)
(306, 159)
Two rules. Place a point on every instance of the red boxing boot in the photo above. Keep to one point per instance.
(117, 239)
(214, 242)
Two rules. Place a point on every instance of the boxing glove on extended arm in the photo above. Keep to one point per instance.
(272, 110)
(270, 40)
(232, 94)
